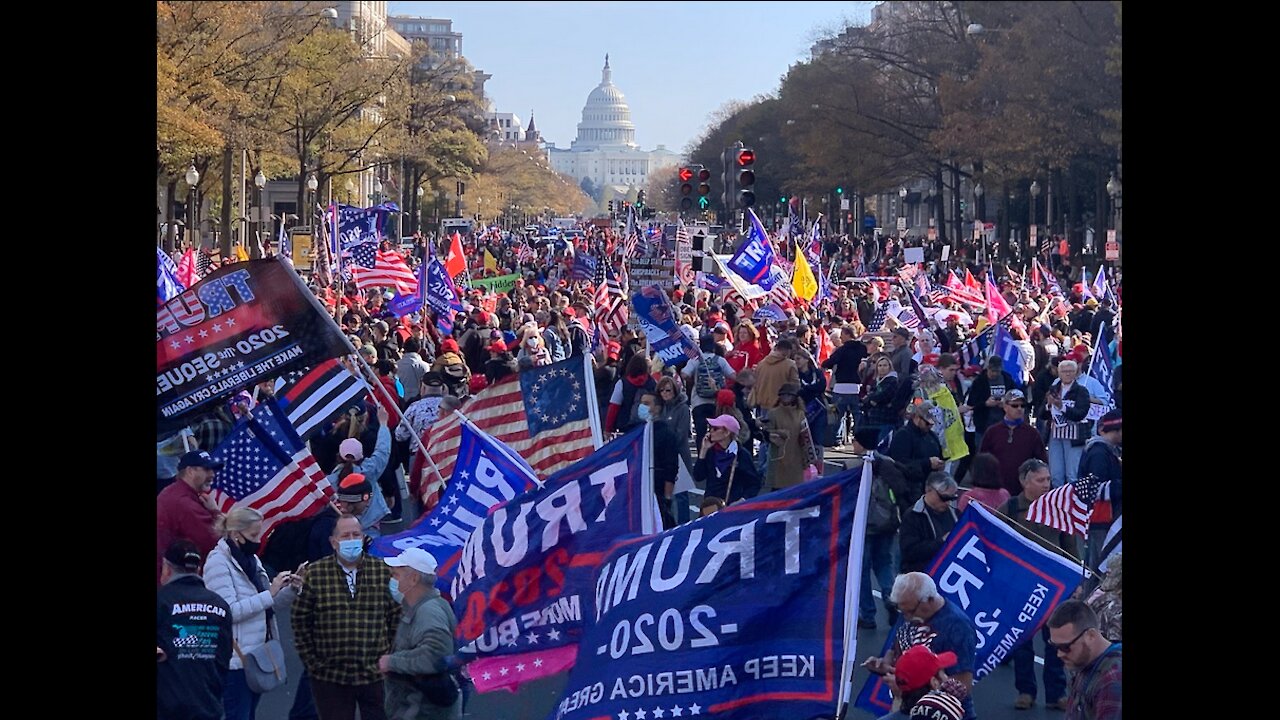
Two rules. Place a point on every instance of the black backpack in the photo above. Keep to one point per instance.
(709, 379)
(882, 511)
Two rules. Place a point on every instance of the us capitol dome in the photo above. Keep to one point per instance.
(605, 150)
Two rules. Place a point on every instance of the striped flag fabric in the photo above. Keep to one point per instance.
(878, 318)
(267, 467)
(612, 304)
(1112, 544)
(382, 268)
(187, 274)
(963, 292)
(1067, 508)
(997, 307)
(320, 395)
(507, 409)
(524, 253)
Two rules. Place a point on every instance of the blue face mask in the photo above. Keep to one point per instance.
(350, 550)
(642, 412)
(395, 591)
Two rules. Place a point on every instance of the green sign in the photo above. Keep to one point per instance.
(500, 284)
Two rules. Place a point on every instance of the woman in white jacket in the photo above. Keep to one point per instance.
(234, 572)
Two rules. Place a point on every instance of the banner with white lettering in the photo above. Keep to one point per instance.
(740, 614)
(486, 473)
(1006, 583)
(522, 575)
(657, 319)
(245, 322)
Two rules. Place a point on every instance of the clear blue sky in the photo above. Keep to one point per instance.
(546, 56)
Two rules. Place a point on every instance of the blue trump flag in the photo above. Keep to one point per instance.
(657, 319)
(486, 473)
(167, 285)
(441, 295)
(1003, 347)
(357, 226)
(525, 571)
(1004, 582)
(402, 305)
(755, 256)
(740, 614)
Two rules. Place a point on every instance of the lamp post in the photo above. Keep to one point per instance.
(259, 182)
(978, 221)
(418, 225)
(350, 187)
(1115, 190)
(933, 208)
(193, 179)
(377, 191)
(1031, 224)
(902, 207)
(310, 211)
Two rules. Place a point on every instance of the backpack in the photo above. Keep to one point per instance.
(709, 379)
(882, 511)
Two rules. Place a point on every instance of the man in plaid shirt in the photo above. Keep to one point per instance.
(343, 621)
(1095, 660)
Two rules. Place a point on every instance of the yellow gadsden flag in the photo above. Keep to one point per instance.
(802, 280)
(241, 255)
(490, 262)
(953, 446)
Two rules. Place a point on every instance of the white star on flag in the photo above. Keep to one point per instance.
(502, 671)
(677, 711)
(532, 638)
(553, 634)
(519, 667)
(537, 662)
(641, 714)
(695, 709)
(659, 712)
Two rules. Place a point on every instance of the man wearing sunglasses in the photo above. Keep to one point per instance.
(1034, 478)
(1096, 661)
(1013, 441)
(926, 526)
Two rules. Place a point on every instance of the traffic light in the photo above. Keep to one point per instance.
(704, 188)
(640, 199)
(610, 207)
(839, 191)
(744, 164)
(686, 188)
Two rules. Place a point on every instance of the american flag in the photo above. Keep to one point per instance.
(1067, 508)
(268, 468)
(204, 260)
(612, 304)
(524, 253)
(324, 392)
(520, 410)
(877, 318)
(382, 268)
(964, 293)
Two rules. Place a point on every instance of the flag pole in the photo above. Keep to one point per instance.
(1037, 539)
(853, 587)
(377, 386)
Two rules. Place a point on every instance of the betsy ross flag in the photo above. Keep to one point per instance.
(1067, 508)
(544, 414)
(268, 468)
(320, 395)
(382, 268)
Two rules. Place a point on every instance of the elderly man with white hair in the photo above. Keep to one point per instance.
(935, 623)
(1066, 405)
(419, 683)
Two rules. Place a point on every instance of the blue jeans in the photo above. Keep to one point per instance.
(238, 701)
(847, 408)
(877, 557)
(304, 705)
(1024, 669)
(1064, 461)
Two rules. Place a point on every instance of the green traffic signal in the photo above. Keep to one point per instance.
(703, 202)
(839, 191)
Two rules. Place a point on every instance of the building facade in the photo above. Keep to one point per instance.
(605, 150)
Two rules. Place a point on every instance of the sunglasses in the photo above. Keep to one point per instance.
(1065, 648)
(1016, 406)
(947, 498)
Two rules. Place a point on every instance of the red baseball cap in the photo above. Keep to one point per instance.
(918, 664)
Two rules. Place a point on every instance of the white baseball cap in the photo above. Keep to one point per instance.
(415, 558)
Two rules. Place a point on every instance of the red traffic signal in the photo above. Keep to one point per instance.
(685, 174)
(746, 157)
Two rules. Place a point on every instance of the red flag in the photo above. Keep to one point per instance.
(456, 261)
(962, 293)
(1035, 272)
(187, 273)
(825, 347)
(997, 307)
(971, 282)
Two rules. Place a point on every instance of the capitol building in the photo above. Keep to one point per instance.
(605, 149)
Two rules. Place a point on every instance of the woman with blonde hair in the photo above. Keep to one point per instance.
(234, 572)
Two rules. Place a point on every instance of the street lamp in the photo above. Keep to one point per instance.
(421, 192)
(1031, 226)
(902, 205)
(259, 182)
(377, 191)
(309, 211)
(933, 210)
(977, 218)
(193, 179)
(1114, 189)
(351, 188)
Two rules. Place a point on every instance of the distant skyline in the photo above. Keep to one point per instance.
(547, 56)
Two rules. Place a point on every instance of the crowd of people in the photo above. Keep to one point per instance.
(754, 410)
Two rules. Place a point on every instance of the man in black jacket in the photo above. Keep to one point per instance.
(193, 639)
(985, 397)
(916, 448)
(925, 527)
(888, 490)
(846, 360)
(1102, 460)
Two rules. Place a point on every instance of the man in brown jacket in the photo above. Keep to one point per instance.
(775, 370)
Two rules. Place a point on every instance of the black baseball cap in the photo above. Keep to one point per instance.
(182, 553)
(199, 458)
